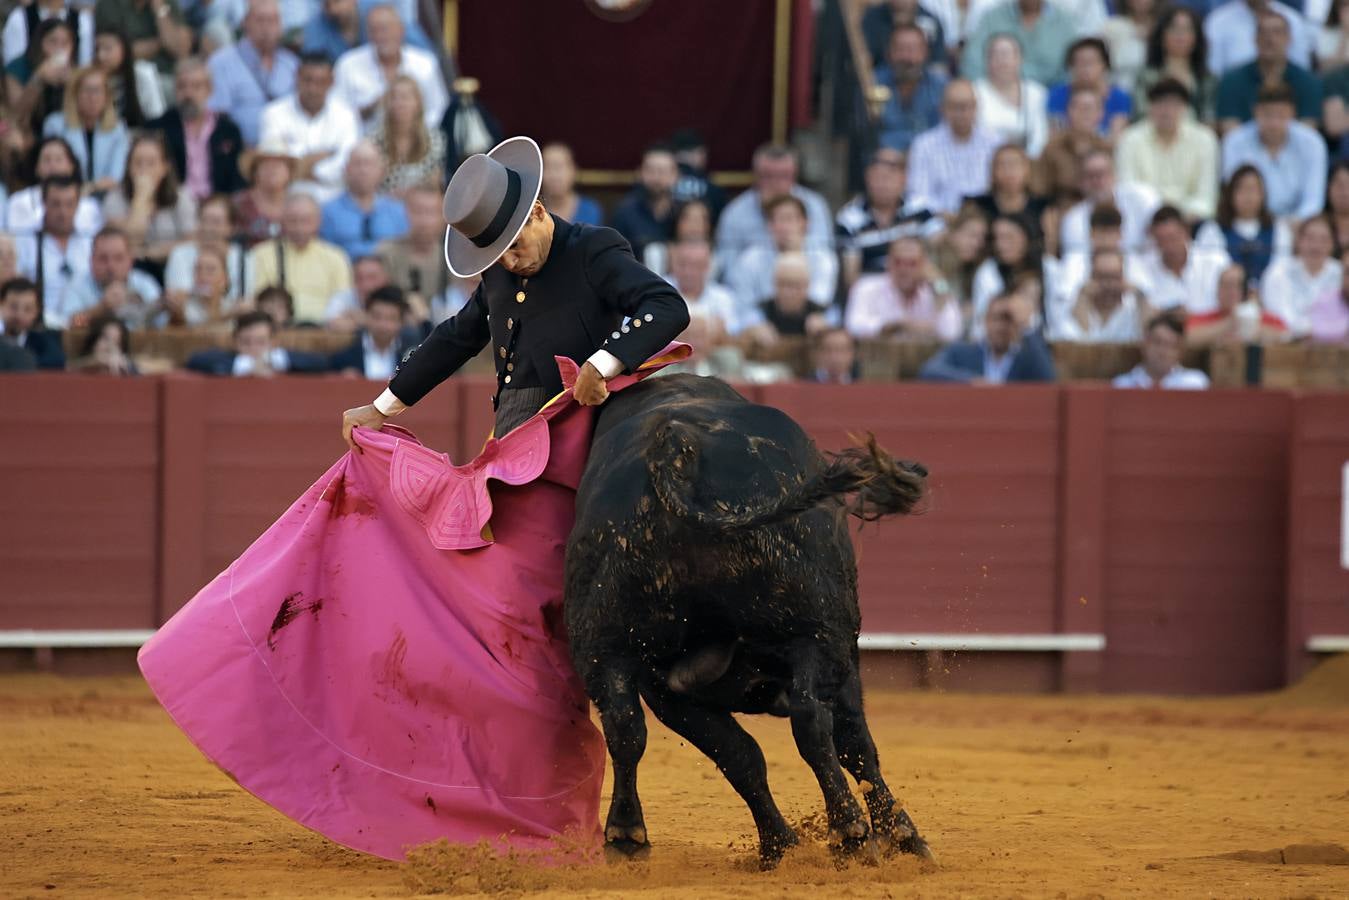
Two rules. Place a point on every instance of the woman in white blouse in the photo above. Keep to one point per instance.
(1011, 106)
(1126, 34)
(1292, 284)
(1015, 254)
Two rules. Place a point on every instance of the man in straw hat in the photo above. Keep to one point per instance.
(549, 288)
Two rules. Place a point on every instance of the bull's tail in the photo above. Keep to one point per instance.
(879, 484)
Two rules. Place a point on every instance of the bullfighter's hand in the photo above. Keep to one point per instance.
(365, 416)
(590, 389)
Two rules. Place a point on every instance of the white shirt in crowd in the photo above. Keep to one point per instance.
(24, 212)
(1288, 290)
(1027, 124)
(379, 364)
(1178, 379)
(61, 268)
(359, 80)
(180, 275)
(15, 38)
(943, 170)
(1230, 30)
(1195, 288)
(1210, 236)
(988, 283)
(750, 276)
(1072, 273)
(1123, 325)
(336, 128)
(714, 302)
(1136, 203)
(245, 365)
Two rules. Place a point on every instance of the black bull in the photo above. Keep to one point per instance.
(710, 572)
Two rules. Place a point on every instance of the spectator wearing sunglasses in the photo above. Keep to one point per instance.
(360, 217)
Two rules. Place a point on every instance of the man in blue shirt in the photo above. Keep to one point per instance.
(334, 31)
(1290, 156)
(360, 217)
(1238, 88)
(252, 73)
(915, 92)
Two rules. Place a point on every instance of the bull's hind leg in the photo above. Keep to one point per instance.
(813, 728)
(625, 733)
(857, 751)
(718, 735)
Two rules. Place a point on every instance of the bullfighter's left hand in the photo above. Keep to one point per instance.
(590, 389)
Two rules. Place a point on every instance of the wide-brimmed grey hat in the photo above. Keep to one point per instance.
(488, 202)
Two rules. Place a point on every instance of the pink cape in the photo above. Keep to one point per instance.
(383, 667)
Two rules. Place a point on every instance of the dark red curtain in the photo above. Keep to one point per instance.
(554, 70)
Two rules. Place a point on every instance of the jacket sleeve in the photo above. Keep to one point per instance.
(945, 366)
(658, 313)
(1035, 362)
(451, 344)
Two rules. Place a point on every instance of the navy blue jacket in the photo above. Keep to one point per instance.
(46, 348)
(219, 361)
(353, 355)
(965, 361)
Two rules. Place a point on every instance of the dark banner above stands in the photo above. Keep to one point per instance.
(556, 70)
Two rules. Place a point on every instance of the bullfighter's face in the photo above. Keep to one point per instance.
(529, 251)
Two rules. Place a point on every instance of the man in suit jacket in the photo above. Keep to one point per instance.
(255, 352)
(1005, 354)
(383, 341)
(21, 323)
(192, 90)
(549, 288)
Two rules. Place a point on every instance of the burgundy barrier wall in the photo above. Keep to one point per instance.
(1198, 532)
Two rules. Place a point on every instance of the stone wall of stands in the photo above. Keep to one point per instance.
(1199, 534)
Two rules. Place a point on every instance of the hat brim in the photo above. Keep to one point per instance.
(466, 258)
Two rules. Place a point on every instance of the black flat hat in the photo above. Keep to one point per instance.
(488, 202)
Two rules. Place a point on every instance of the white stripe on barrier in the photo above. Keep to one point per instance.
(1328, 643)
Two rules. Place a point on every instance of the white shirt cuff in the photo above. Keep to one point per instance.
(388, 404)
(606, 362)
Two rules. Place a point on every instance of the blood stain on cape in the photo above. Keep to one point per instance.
(345, 503)
(290, 607)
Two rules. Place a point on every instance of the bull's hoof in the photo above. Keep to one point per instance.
(625, 843)
(853, 842)
(771, 850)
(916, 846)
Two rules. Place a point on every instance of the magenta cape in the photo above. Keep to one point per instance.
(384, 667)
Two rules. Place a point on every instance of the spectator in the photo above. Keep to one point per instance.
(362, 75)
(255, 353)
(1328, 316)
(1003, 355)
(112, 284)
(412, 152)
(346, 309)
(258, 208)
(833, 356)
(106, 348)
(23, 210)
(310, 269)
(56, 256)
(21, 324)
(1245, 227)
(23, 20)
(1290, 156)
(1009, 190)
(134, 83)
(914, 104)
(742, 223)
(904, 301)
(1057, 175)
(276, 302)
(1010, 106)
(753, 276)
(1335, 110)
(314, 127)
(1230, 31)
(1126, 36)
(1238, 318)
(1172, 154)
(249, 75)
(415, 262)
(9, 258)
(468, 126)
(951, 161)
(1106, 226)
(203, 145)
(1178, 49)
(149, 206)
(1088, 64)
(208, 302)
(713, 306)
(1239, 88)
(558, 187)
(334, 31)
(880, 20)
(215, 228)
(1135, 202)
(1337, 204)
(1163, 345)
(692, 222)
(35, 83)
(1043, 29)
(1332, 43)
(960, 251)
(381, 344)
(90, 125)
(1108, 309)
(694, 184)
(646, 215)
(1176, 273)
(867, 224)
(1015, 251)
(1290, 285)
(789, 312)
(360, 217)
(154, 28)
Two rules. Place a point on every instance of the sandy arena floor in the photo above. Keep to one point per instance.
(1020, 796)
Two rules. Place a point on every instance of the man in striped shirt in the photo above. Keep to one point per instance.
(952, 161)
